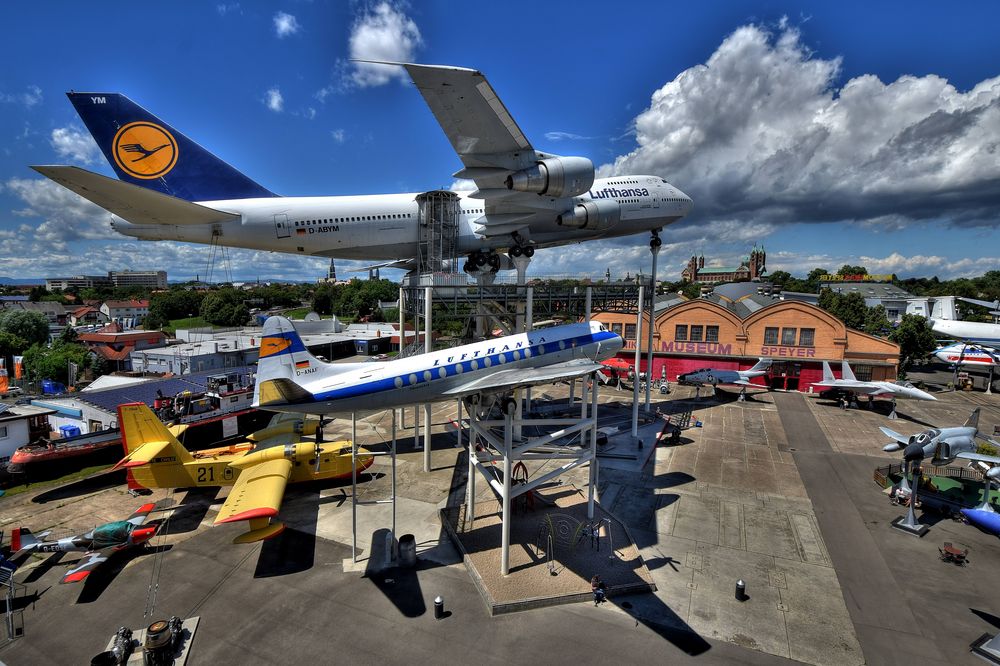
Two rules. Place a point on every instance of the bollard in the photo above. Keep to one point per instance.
(741, 590)
(438, 608)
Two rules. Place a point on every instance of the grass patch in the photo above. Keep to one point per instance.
(188, 322)
(299, 313)
(38, 485)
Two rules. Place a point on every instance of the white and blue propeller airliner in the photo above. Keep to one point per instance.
(290, 379)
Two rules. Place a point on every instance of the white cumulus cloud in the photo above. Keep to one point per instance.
(274, 100)
(74, 144)
(382, 32)
(285, 25)
(762, 131)
(27, 99)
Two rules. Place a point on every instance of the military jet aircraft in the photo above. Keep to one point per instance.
(943, 446)
(98, 544)
(714, 377)
(881, 389)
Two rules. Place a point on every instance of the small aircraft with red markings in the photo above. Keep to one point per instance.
(98, 544)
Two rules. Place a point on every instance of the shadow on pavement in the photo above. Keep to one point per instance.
(90, 484)
(99, 580)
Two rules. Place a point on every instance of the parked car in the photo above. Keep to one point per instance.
(12, 392)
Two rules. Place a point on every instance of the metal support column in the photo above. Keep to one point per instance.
(592, 486)
(655, 249)
(635, 382)
(508, 432)
(354, 487)
(428, 346)
(416, 428)
(529, 322)
(393, 457)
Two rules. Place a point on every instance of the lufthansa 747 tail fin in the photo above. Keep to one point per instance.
(144, 150)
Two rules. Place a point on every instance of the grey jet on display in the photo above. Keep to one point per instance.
(714, 377)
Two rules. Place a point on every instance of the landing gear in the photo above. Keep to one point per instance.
(655, 242)
(522, 251)
(482, 261)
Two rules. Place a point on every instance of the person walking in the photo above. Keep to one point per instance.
(598, 587)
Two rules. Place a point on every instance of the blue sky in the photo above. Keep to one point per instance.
(831, 132)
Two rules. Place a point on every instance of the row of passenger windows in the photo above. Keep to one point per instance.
(624, 182)
(358, 218)
(696, 333)
(475, 364)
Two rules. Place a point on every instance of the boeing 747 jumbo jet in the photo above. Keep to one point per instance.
(170, 188)
(290, 379)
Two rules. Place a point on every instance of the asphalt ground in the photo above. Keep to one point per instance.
(907, 606)
(290, 601)
(296, 598)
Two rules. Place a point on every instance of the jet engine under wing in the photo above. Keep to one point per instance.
(135, 204)
(257, 494)
(520, 377)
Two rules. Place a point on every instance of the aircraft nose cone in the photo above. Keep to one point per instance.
(913, 452)
(687, 204)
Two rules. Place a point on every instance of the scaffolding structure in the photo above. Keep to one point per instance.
(437, 231)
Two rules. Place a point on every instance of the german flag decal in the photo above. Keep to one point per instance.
(299, 365)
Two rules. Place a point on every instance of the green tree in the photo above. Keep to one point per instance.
(847, 269)
(68, 336)
(876, 321)
(915, 339)
(225, 307)
(849, 308)
(33, 327)
(12, 345)
(53, 363)
(815, 273)
(780, 277)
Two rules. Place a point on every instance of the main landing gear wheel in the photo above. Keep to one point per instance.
(529, 252)
(522, 250)
(509, 406)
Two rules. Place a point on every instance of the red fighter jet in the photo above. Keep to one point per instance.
(98, 544)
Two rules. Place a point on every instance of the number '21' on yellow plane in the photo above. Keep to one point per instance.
(258, 470)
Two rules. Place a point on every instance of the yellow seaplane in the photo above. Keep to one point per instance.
(258, 469)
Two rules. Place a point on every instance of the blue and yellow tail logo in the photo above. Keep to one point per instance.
(145, 150)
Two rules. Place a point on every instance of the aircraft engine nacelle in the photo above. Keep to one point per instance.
(593, 215)
(555, 177)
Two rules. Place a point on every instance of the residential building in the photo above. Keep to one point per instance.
(77, 282)
(86, 315)
(128, 313)
(115, 346)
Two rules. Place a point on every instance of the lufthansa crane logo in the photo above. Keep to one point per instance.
(145, 150)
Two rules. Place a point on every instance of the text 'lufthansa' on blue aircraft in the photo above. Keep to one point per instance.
(290, 379)
(170, 188)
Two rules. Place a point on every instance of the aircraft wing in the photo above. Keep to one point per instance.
(969, 455)
(522, 377)
(892, 434)
(257, 493)
(487, 140)
(93, 559)
(136, 204)
(139, 516)
(472, 116)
